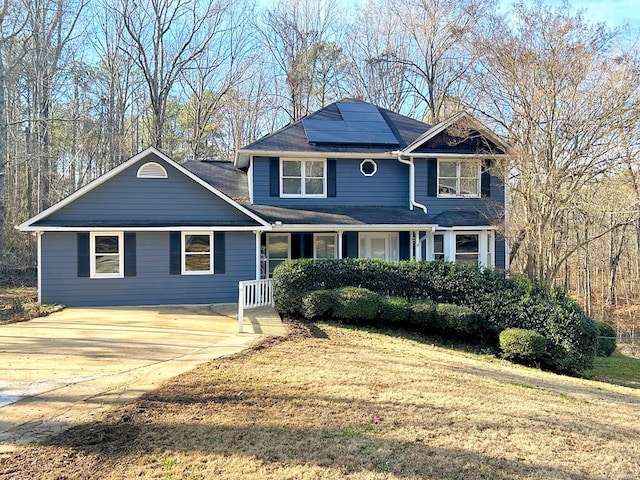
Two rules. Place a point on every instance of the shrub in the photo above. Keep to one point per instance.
(318, 304)
(457, 320)
(522, 345)
(499, 301)
(423, 315)
(394, 310)
(356, 303)
(606, 339)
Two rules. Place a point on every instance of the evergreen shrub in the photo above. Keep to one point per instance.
(522, 345)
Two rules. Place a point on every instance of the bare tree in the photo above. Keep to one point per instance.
(294, 32)
(163, 38)
(11, 24)
(375, 75)
(555, 86)
(440, 57)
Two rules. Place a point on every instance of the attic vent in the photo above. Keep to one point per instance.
(151, 170)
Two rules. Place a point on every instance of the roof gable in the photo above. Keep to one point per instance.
(462, 134)
(135, 208)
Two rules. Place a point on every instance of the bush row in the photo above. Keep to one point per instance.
(500, 302)
(359, 305)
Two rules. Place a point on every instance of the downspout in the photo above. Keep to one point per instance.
(412, 183)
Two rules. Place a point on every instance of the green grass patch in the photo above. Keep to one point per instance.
(618, 369)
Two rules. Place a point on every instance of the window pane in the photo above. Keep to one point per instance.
(196, 243)
(447, 187)
(273, 264)
(197, 263)
(314, 169)
(467, 244)
(325, 246)
(469, 186)
(448, 169)
(438, 244)
(314, 186)
(378, 248)
(468, 169)
(467, 259)
(291, 168)
(106, 244)
(107, 263)
(291, 186)
(278, 246)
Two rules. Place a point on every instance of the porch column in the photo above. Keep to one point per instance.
(258, 259)
(339, 244)
(416, 246)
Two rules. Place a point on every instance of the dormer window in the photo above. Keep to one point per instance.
(152, 170)
(459, 178)
(303, 178)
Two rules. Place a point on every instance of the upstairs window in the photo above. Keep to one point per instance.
(303, 178)
(458, 178)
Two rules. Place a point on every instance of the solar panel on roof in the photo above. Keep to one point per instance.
(362, 124)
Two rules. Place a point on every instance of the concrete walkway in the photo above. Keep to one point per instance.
(67, 368)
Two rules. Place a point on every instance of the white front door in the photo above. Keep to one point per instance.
(379, 245)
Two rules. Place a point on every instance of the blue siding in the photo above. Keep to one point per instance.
(127, 198)
(500, 252)
(389, 187)
(152, 284)
(435, 205)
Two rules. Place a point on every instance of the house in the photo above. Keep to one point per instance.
(350, 180)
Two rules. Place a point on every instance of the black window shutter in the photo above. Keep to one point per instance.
(350, 245)
(274, 177)
(432, 179)
(405, 245)
(129, 254)
(296, 246)
(307, 245)
(175, 254)
(331, 177)
(218, 252)
(83, 254)
(485, 180)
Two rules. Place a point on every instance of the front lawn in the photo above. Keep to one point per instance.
(341, 403)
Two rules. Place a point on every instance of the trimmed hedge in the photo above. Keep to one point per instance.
(457, 320)
(523, 345)
(499, 301)
(318, 304)
(355, 303)
(606, 339)
(423, 315)
(395, 311)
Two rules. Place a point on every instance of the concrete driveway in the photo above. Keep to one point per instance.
(64, 369)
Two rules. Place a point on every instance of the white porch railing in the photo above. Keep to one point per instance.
(253, 294)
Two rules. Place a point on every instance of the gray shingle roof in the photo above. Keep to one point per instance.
(466, 218)
(345, 215)
(222, 176)
(293, 138)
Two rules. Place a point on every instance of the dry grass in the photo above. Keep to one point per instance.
(337, 403)
(20, 303)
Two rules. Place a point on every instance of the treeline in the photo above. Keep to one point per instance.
(85, 84)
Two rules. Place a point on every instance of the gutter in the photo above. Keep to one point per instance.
(412, 182)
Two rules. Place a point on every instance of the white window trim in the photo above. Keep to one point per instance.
(335, 243)
(389, 249)
(288, 235)
(486, 245)
(367, 161)
(92, 254)
(302, 178)
(458, 162)
(183, 254)
(151, 165)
